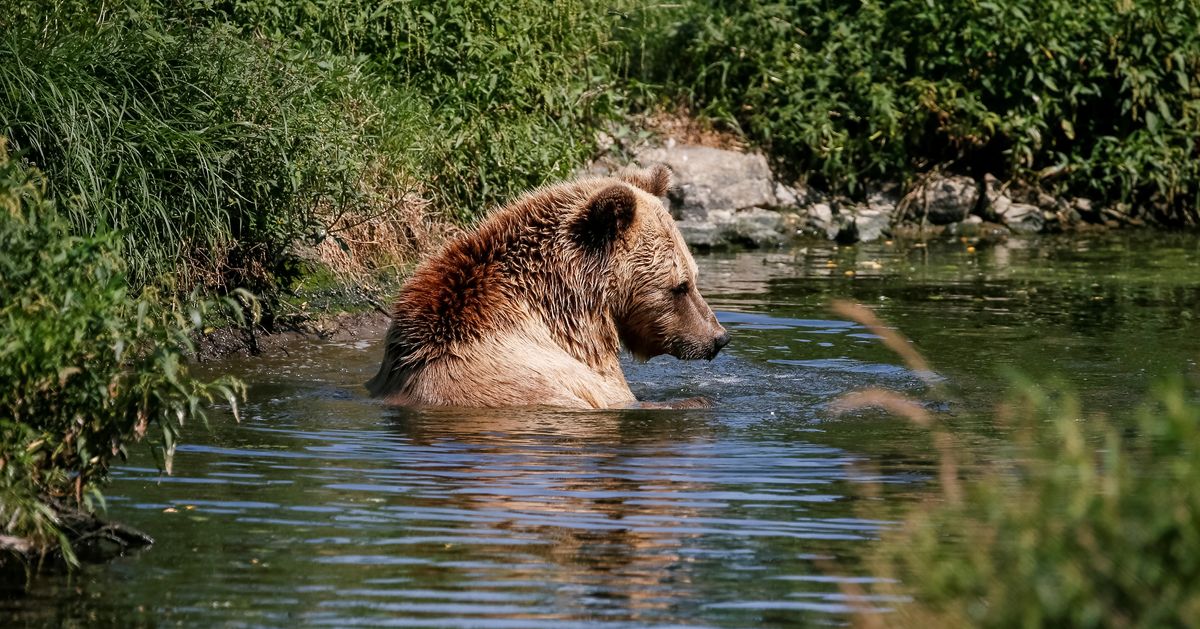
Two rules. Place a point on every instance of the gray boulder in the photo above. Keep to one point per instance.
(715, 179)
(1023, 218)
(821, 220)
(945, 200)
(721, 196)
(757, 227)
(872, 223)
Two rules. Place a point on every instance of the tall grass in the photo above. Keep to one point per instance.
(1070, 519)
(515, 89)
(1075, 520)
(208, 151)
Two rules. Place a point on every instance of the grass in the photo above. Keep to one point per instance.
(217, 137)
(210, 153)
(515, 90)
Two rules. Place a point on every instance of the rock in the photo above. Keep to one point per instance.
(820, 219)
(946, 200)
(872, 223)
(712, 230)
(910, 231)
(788, 196)
(715, 179)
(1086, 210)
(757, 227)
(792, 223)
(883, 202)
(700, 233)
(997, 198)
(1023, 218)
(721, 196)
(847, 229)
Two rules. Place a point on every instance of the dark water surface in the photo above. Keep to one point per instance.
(323, 508)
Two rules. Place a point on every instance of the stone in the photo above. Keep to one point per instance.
(1046, 201)
(1023, 218)
(996, 196)
(721, 196)
(788, 196)
(710, 178)
(945, 200)
(821, 219)
(846, 229)
(871, 223)
(757, 227)
(792, 223)
(883, 202)
(702, 234)
(1086, 210)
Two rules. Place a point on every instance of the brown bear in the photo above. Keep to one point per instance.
(532, 306)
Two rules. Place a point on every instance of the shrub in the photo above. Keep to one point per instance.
(85, 369)
(1095, 98)
(1066, 520)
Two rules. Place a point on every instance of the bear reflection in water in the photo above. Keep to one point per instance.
(531, 307)
(604, 514)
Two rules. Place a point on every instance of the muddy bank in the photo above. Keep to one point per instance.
(259, 341)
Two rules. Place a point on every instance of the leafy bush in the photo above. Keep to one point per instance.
(210, 152)
(84, 368)
(1103, 95)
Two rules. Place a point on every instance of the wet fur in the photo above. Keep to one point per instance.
(532, 306)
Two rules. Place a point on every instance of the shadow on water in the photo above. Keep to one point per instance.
(325, 508)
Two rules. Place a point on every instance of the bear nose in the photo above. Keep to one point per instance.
(718, 343)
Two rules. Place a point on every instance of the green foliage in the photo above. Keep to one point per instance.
(85, 369)
(514, 88)
(1076, 522)
(209, 151)
(1104, 94)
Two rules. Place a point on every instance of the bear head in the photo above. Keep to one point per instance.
(652, 293)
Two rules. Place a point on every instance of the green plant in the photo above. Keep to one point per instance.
(514, 90)
(210, 152)
(1098, 99)
(1074, 522)
(1069, 519)
(85, 369)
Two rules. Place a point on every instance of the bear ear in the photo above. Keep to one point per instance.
(605, 217)
(655, 180)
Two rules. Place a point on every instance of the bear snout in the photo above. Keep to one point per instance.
(718, 343)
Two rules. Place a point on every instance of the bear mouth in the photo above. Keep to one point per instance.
(692, 350)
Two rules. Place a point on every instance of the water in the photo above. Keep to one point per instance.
(323, 508)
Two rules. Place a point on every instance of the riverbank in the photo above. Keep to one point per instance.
(268, 127)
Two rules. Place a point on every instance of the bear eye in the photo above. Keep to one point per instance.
(682, 288)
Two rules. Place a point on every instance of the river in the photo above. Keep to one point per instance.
(324, 508)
